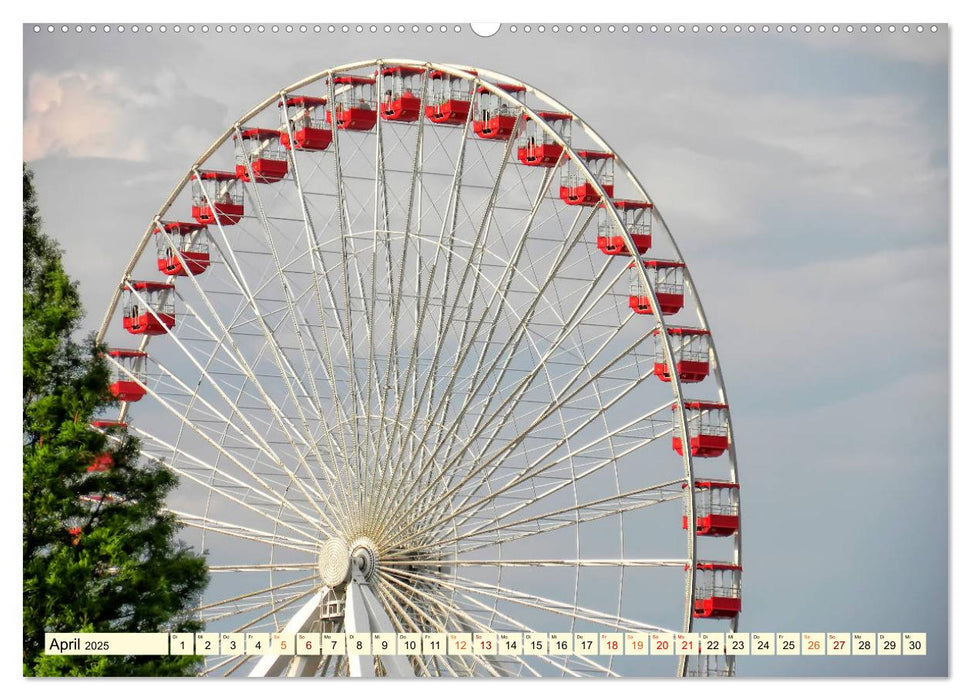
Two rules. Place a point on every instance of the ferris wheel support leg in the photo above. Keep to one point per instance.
(364, 611)
(302, 621)
(356, 621)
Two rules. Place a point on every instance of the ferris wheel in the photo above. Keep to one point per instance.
(426, 359)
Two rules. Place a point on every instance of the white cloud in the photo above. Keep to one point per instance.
(107, 113)
(81, 115)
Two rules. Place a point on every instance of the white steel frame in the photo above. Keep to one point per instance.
(300, 461)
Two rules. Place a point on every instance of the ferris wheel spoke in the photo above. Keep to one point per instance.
(374, 470)
(297, 321)
(202, 522)
(465, 344)
(212, 474)
(380, 222)
(481, 230)
(521, 389)
(239, 660)
(570, 516)
(571, 563)
(514, 336)
(519, 625)
(252, 438)
(319, 274)
(509, 407)
(186, 473)
(324, 356)
(344, 220)
(239, 609)
(414, 187)
(446, 233)
(483, 463)
(297, 326)
(240, 568)
(402, 623)
(275, 349)
(566, 394)
(478, 539)
(287, 602)
(251, 594)
(506, 280)
(194, 425)
(550, 605)
(648, 423)
(455, 614)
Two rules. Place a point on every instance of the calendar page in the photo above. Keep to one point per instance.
(477, 350)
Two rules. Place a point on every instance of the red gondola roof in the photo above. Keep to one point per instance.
(304, 101)
(684, 331)
(631, 204)
(180, 227)
(105, 424)
(146, 286)
(555, 116)
(402, 70)
(702, 405)
(217, 175)
(595, 155)
(508, 87)
(715, 485)
(718, 566)
(121, 352)
(260, 133)
(435, 74)
(657, 264)
(353, 80)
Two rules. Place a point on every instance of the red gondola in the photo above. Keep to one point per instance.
(307, 122)
(716, 509)
(101, 463)
(216, 197)
(718, 590)
(130, 385)
(495, 118)
(576, 189)
(690, 349)
(537, 146)
(636, 217)
(261, 151)
(149, 308)
(402, 93)
(667, 276)
(707, 429)
(105, 425)
(184, 250)
(450, 98)
(353, 107)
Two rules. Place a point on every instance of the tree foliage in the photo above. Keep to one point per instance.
(91, 563)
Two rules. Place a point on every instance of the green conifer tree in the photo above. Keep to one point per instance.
(91, 563)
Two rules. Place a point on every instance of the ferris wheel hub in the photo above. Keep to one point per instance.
(337, 557)
(334, 562)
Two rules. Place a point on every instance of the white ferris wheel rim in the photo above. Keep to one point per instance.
(482, 77)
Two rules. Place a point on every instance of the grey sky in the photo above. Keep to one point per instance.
(804, 177)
